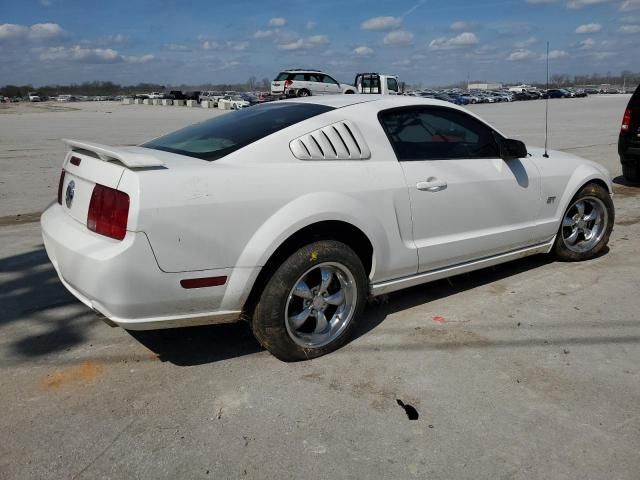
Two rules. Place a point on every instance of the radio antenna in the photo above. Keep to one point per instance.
(546, 112)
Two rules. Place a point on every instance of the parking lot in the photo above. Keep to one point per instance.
(528, 370)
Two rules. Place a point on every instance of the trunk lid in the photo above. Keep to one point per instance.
(88, 164)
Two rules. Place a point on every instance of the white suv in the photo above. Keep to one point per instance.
(303, 83)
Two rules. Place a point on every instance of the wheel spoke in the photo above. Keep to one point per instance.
(568, 222)
(296, 321)
(327, 276)
(571, 239)
(587, 232)
(321, 324)
(336, 299)
(302, 290)
(592, 216)
(580, 207)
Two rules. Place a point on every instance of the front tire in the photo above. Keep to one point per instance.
(586, 225)
(631, 172)
(312, 302)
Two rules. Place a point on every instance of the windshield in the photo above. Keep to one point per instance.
(227, 133)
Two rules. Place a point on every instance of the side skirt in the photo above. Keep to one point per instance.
(406, 282)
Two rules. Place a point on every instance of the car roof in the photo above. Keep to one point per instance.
(386, 101)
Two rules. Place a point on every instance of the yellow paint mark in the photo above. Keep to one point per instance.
(314, 256)
(84, 373)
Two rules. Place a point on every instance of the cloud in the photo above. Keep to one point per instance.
(263, 34)
(398, 37)
(46, 3)
(175, 47)
(303, 43)
(381, 23)
(587, 44)
(277, 22)
(541, 2)
(362, 51)
(629, 29)
(589, 28)
(38, 32)
(577, 4)
(556, 54)
(465, 39)
(141, 59)
(210, 45)
(237, 46)
(520, 55)
(525, 43)
(82, 55)
(310, 25)
(629, 5)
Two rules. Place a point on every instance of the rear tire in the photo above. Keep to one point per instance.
(304, 93)
(312, 302)
(586, 225)
(631, 172)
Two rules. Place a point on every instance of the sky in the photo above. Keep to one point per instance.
(426, 42)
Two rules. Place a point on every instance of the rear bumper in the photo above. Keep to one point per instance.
(121, 280)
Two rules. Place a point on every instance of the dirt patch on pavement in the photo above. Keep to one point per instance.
(85, 373)
(20, 218)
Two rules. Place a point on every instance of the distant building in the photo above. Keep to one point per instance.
(484, 86)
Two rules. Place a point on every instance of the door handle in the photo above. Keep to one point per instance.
(432, 185)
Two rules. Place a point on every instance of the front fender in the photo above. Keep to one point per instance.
(586, 172)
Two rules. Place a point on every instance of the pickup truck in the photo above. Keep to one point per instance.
(377, 83)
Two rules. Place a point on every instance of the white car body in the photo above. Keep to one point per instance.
(232, 103)
(375, 83)
(153, 95)
(300, 83)
(191, 219)
(34, 97)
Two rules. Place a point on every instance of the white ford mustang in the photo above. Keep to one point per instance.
(291, 214)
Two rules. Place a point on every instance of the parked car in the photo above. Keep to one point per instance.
(211, 96)
(235, 102)
(629, 139)
(264, 215)
(33, 97)
(304, 83)
(65, 98)
(154, 95)
(558, 93)
(175, 95)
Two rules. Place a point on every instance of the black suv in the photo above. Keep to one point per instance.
(629, 140)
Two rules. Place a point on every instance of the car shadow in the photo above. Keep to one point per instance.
(378, 310)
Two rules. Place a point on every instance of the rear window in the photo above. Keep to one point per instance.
(281, 76)
(227, 133)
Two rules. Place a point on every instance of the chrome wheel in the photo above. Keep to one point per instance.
(321, 305)
(584, 224)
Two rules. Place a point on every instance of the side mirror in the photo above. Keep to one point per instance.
(511, 149)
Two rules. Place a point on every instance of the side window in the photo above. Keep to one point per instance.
(437, 133)
(392, 84)
(299, 77)
(328, 79)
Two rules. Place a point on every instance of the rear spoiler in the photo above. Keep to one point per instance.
(132, 157)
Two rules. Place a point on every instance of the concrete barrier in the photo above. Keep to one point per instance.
(127, 101)
(157, 101)
(206, 104)
(192, 103)
(178, 103)
(147, 101)
(167, 102)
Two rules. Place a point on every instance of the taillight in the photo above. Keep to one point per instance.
(108, 212)
(60, 184)
(288, 83)
(626, 120)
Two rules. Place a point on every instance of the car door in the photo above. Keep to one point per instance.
(467, 203)
(330, 86)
